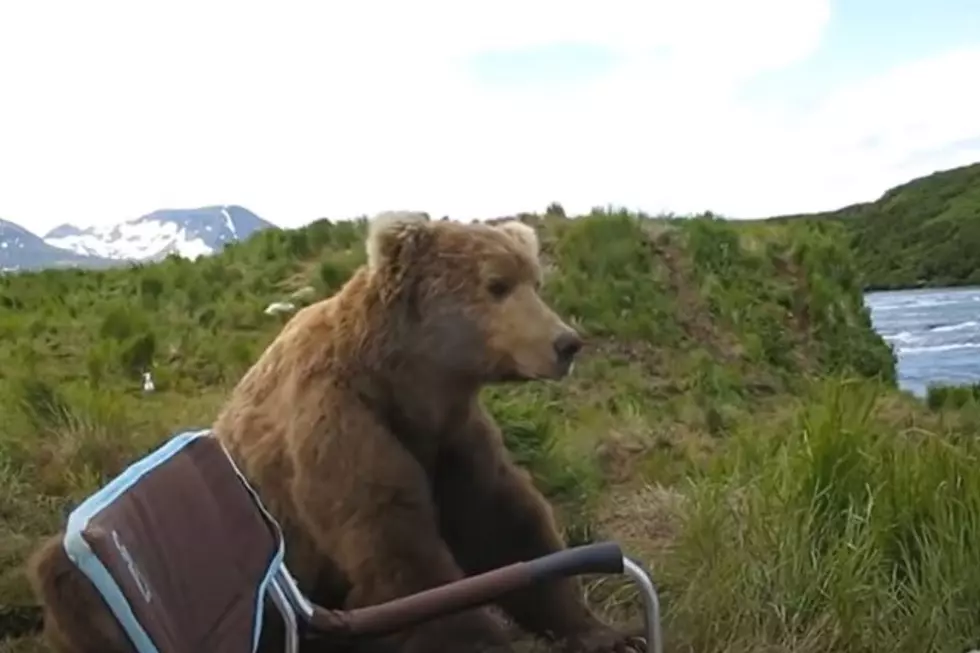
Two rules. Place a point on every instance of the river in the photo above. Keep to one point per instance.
(935, 334)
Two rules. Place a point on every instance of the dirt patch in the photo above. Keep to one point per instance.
(691, 309)
(619, 452)
(643, 520)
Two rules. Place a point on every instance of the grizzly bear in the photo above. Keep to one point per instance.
(361, 428)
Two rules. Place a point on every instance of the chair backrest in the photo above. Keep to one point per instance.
(181, 549)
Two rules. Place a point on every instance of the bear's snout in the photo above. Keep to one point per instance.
(567, 345)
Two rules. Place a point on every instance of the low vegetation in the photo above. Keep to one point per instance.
(924, 233)
(734, 421)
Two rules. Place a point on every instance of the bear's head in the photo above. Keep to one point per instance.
(463, 299)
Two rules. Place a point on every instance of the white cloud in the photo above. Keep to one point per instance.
(304, 109)
(867, 137)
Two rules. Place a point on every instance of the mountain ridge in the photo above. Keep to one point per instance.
(22, 250)
(186, 232)
(924, 232)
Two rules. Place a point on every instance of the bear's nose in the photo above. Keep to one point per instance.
(567, 345)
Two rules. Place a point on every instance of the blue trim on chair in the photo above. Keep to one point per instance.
(82, 555)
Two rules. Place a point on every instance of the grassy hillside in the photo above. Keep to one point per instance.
(924, 233)
(734, 421)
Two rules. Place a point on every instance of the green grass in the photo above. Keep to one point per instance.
(849, 529)
(734, 420)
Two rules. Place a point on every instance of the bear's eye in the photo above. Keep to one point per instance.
(499, 288)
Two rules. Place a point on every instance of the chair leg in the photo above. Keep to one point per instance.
(300, 603)
(288, 616)
(651, 604)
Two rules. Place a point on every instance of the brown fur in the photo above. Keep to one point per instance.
(82, 623)
(362, 430)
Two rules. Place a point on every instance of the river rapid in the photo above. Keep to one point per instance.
(935, 334)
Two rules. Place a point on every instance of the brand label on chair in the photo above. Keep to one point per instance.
(134, 571)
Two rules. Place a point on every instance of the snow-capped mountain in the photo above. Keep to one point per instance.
(22, 250)
(187, 232)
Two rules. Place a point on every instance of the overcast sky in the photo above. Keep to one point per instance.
(299, 110)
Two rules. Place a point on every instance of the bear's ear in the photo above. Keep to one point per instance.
(525, 235)
(386, 230)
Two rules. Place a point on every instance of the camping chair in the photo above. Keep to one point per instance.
(185, 555)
